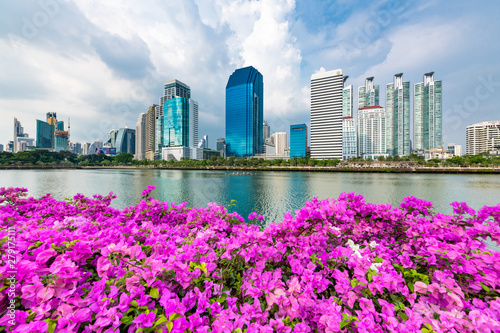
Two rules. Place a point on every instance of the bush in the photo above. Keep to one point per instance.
(343, 265)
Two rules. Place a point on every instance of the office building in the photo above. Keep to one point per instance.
(427, 113)
(92, 147)
(482, 137)
(280, 141)
(1, 148)
(372, 132)
(50, 134)
(221, 146)
(397, 111)
(326, 114)
(150, 132)
(454, 149)
(298, 141)
(349, 146)
(267, 130)
(203, 144)
(75, 148)
(140, 137)
(125, 141)
(176, 118)
(112, 138)
(10, 146)
(245, 113)
(369, 94)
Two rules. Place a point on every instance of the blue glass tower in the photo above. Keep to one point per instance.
(245, 113)
(176, 122)
(125, 141)
(298, 140)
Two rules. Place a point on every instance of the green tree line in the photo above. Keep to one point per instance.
(65, 158)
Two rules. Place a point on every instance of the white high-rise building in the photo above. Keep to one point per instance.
(371, 132)
(326, 114)
(280, 140)
(482, 137)
(455, 149)
(140, 137)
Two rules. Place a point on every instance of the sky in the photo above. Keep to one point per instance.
(102, 63)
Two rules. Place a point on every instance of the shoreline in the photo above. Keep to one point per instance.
(369, 169)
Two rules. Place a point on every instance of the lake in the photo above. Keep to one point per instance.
(269, 193)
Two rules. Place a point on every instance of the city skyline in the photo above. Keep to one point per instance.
(114, 72)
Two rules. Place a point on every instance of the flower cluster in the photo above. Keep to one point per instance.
(336, 266)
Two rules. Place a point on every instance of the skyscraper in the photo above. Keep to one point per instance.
(326, 114)
(397, 110)
(21, 139)
(177, 118)
(50, 134)
(298, 140)
(349, 149)
(150, 132)
(140, 137)
(369, 94)
(371, 131)
(280, 141)
(267, 130)
(245, 113)
(125, 141)
(427, 113)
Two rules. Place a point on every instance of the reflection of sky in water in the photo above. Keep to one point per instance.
(271, 194)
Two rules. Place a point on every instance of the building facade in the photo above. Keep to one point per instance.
(349, 146)
(326, 114)
(372, 132)
(280, 141)
(298, 141)
(454, 149)
(267, 130)
(176, 118)
(397, 110)
(125, 141)
(150, 132)
(50, 134)
(245, 113)
(427, 113)
(369, 95)
(140, 137)
(482, 137)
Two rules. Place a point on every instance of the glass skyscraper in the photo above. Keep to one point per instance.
(298, 140)
(177, 118)
(245, 113)
(125, 141)
(50, 134)
(349, 146)
(369, 94)
(397, 110)
(427, 113)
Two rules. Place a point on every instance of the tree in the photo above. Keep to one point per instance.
(124, 158)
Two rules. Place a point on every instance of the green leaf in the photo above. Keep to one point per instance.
(174, 316)
(485, 287)
(170, 325)
(161, 319)
(52, 325)
(154, 293)
(126, 320)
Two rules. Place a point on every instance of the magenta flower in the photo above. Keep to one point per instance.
(146, 320)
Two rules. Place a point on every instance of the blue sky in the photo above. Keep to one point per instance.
(102, 63)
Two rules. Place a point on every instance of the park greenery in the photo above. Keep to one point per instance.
(45, 158)
(341, 265)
